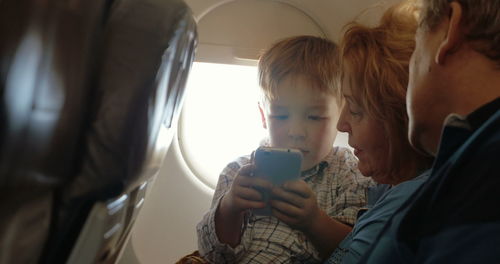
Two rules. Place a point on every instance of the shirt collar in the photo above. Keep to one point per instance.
(458, 129)
(475, 119)
(318, 169)
(483, 113)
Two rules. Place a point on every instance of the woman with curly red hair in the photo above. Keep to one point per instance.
(374, 76)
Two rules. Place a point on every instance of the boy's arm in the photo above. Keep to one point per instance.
(351, 189)
(326, 234)
(328, 227)
(220, 231)
(296, 205)
(333, 226)
(209, 245)
(241, 197)
(228, 225)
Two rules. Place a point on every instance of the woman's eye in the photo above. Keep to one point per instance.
(353, 109)
(354, 113)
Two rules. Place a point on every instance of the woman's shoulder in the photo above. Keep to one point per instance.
(408, 187)
(400, 193)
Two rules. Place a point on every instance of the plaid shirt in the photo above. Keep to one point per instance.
(340, 190)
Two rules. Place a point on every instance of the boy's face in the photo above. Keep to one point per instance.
(303, 118)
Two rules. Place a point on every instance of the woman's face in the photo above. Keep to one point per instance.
(366, 136)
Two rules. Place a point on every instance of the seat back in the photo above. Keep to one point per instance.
(44, 94)
(109, 77)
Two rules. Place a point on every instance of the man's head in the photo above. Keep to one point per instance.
(455, 65)
(299, 108)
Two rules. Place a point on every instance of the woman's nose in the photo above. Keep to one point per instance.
(343, 123)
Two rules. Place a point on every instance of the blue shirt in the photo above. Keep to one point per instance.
(454, 218)
(369, 225)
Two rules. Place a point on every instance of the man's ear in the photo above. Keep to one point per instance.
(262, 116)
(454, 33)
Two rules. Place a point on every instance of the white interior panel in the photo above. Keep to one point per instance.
(256, 25)
(232, 32)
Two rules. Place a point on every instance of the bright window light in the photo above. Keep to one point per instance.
(220, 118)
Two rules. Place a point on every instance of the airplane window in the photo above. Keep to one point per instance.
(220, 119)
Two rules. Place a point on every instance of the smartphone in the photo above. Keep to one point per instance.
(276, 165)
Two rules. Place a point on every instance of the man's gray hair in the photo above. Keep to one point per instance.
(481, 19)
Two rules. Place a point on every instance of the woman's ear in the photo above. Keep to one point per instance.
(262, 116)
(454, 33)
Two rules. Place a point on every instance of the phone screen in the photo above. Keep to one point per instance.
(276, 165)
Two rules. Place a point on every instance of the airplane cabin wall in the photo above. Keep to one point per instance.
(232, 32)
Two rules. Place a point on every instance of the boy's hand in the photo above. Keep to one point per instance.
(295, 204)
(243, 195)
(240, 197)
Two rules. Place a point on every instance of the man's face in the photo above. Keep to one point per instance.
(426, 97)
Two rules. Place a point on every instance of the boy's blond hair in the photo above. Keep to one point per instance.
(314, 58)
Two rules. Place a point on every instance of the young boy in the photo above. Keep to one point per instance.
(300, 108)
